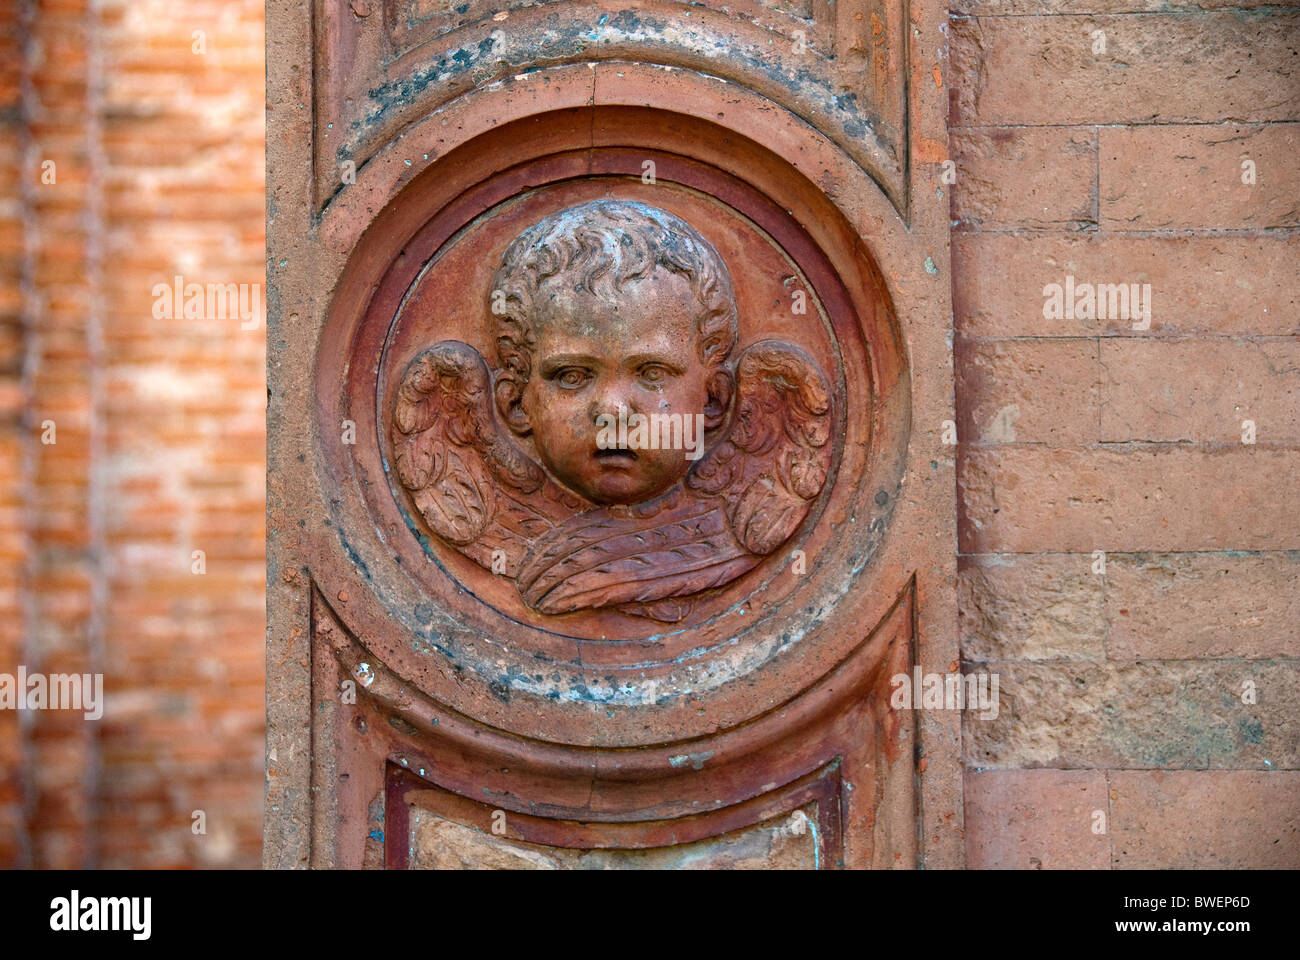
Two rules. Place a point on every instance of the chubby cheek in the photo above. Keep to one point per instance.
(568, 416)
(559, 423)
(665, 464)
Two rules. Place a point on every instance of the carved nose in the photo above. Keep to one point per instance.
(609, 398)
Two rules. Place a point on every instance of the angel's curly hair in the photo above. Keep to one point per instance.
(597, 247)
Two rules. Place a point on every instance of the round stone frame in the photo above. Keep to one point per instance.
(461, 653)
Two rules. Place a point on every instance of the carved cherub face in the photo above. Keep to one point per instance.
(613, 311)
(594, 356)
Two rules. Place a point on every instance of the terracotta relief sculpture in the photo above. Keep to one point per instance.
(618, 454)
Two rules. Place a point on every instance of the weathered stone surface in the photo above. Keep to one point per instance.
(1200, 391)
(438, 844)
(1027, 391)
(1211, 819)
(1150, 458)
(1031, 608)
(1024, 499)
(1168, 606)
(1147, 175)
(1036, 820)
(1145, 714)
(1199, 285)
(1024, 177)
(1054, 70)
(1048, 428)
(422, 488)
(786, 842)
(985, 8)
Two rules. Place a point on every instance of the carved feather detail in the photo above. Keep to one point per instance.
(776, 458)
(470, 482)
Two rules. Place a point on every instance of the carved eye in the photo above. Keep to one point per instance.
(654, 374)
(572, 378)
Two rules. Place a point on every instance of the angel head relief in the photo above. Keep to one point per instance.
(621, 453)
(615, 321)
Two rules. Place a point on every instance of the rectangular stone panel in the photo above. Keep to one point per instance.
(775, 844)
(1156, 714)
(1201, 390)
(1200, 605)
(1031, 607)
(1061, 70)
(1219, 285)
(1035, 178)
(1130, 497)
(1036, 820)
(1148, 173)
(1206, 820)
(1029, 391)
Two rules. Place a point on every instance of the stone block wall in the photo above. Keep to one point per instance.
(1129, 550)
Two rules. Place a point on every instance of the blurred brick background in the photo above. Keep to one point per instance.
(160, 433)
(1122, 692)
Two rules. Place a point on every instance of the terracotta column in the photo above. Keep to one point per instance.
(610, 436)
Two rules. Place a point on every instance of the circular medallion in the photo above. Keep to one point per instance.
(618, 412)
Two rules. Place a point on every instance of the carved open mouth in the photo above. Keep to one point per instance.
(616, 456)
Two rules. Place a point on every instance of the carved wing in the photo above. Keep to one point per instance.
(775, 461)
(472, 485)
(744, 499)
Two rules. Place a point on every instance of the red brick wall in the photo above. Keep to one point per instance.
(51, 314)
(160, 431)
(1123, 739)
(13, 532)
